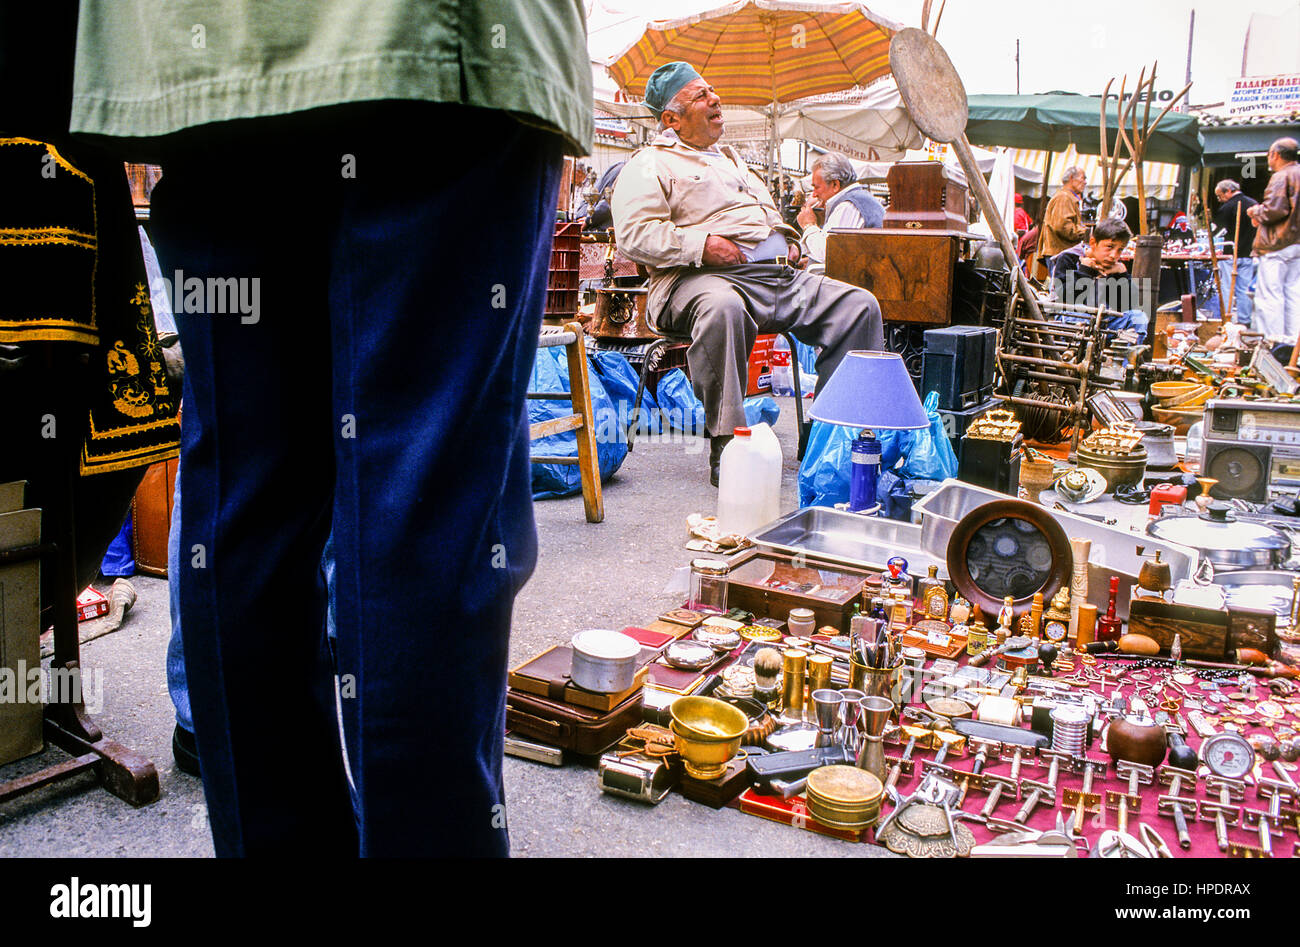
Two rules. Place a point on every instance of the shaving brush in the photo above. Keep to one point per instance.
(767, 676)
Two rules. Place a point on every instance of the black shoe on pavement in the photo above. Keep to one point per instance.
(716, 446)
(185, 751)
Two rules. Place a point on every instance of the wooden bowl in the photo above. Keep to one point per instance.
(1172, 389)
(1180, 419)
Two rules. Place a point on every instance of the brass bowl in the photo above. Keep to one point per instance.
(707, 734)
(1116, 468)
(704, 759)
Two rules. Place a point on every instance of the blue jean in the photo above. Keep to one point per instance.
(1135, 319)
(1244, 300)
(176, 685)
(377, 391)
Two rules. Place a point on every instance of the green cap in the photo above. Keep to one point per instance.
(665, 82)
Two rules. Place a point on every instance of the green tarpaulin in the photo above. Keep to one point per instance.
(1051, 122)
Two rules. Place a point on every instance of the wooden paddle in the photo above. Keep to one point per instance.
(936, 99)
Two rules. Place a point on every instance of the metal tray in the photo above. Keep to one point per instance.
(847, 539)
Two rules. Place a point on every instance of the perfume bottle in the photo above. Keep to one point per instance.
(1108, 626)
(1032, 620)
(977, 633)
(933, 595)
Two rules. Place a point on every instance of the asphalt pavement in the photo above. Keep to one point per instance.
(606, 575)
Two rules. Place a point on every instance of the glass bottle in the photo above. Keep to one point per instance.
(708, 593)
(1109, 626)
(933, 595)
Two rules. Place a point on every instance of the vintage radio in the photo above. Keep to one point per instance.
(1252, 448)
(925, 195)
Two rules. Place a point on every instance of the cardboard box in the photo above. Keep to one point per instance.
(91, 605)
(21, 719)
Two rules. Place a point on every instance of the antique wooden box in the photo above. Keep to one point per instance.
(924, 195)
(769, 585)
(910, 273)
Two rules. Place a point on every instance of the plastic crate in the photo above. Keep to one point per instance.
(562, 277)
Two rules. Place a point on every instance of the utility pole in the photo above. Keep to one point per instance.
(1017, 66)
(1191, 32)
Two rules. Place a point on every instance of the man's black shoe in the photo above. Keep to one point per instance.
(716, 446)
(185, 751)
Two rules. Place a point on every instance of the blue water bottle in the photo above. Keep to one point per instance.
(866, 471)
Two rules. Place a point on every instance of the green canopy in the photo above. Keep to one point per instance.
(1051, 122)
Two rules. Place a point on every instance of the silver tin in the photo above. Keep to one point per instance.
(603, 661)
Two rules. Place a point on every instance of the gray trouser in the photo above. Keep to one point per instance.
(723, 309)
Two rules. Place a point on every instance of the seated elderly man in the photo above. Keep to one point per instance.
(708, 230)
(849, 205)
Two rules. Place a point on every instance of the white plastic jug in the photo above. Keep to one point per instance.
(749, 481)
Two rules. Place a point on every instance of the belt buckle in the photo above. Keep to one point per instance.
(781, 260)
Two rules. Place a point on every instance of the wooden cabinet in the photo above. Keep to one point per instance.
(910, 272)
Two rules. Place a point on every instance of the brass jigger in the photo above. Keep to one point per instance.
(826, 705)
(850, 735)
(875, 717)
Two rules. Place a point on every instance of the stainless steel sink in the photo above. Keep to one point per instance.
(847, 539)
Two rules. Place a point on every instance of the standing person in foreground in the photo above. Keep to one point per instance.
(1277, 247)
(710, 233)
(310, 404)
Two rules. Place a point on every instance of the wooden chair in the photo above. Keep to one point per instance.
(581, 421)
(660, 347)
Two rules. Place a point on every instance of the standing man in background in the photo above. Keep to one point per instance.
(1235, 206)
(1277, 248)
(1062, 225)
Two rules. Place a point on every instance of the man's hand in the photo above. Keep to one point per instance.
(807, 215)
(719, 251)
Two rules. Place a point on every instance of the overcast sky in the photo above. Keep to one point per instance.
(1068, 46)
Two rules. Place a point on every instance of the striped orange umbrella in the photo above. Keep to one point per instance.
(759, 52)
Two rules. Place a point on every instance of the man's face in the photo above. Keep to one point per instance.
(821, 190)
(1222, 196)
(1105, 252)
(1078, 183)
(700, 123)
(1274, 159)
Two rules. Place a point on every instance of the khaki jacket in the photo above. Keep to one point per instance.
(670, 197)
(1279, 217)
(1062, 227)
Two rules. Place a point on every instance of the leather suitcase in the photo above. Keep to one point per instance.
(579, 729)
(151, 518)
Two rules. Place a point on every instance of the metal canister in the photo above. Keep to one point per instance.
(977, 639)
(792, 682)
(819, 672)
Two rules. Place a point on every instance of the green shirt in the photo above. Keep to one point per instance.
(148, 68)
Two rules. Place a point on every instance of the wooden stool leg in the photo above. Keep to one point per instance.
(588, 460)
(802, 439)
(646, 365)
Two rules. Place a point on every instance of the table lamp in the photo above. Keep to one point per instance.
(871, 391)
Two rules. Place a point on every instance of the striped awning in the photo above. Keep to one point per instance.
(756, 52)
(1160, 180)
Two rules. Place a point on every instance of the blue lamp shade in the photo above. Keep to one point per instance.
(871, 390)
